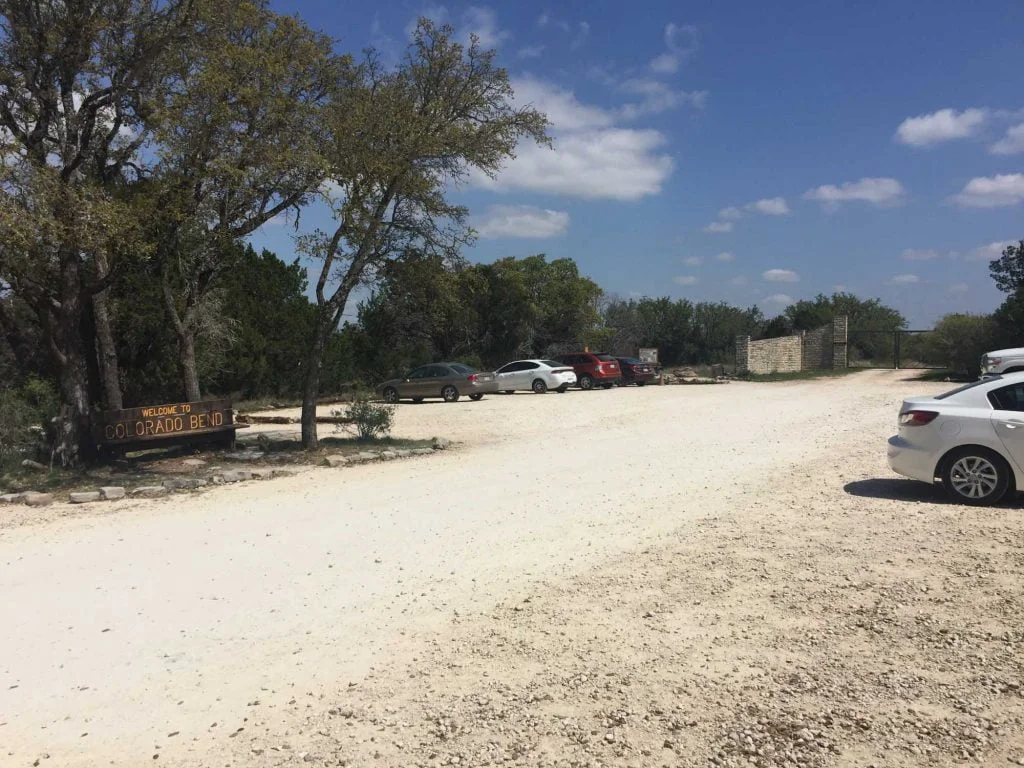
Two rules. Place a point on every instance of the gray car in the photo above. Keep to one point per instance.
(448, 381)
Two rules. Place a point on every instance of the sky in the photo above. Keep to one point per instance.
(751, 152)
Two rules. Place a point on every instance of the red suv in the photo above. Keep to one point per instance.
(593, 369)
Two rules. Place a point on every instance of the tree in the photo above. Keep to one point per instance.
(1008, 269)
(77, 81)
(397, 139)
(240, 143)
(958, 342)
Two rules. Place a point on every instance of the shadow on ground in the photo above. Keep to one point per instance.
(896, 489)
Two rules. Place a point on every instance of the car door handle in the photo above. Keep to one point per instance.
(1013, 423)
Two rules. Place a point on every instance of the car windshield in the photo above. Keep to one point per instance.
(460, 368)
(965, 387)
(552, 363)
(605, 358)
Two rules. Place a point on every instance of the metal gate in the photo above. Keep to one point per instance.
(889, 349)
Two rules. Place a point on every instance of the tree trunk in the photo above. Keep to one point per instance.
(74, 441)
(311, 386)
(189, 370)
(107, 353)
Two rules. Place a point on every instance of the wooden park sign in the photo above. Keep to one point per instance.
(177, 421)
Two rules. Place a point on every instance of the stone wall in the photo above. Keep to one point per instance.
(815, 350)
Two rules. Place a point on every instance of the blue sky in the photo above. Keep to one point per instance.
(747, 151)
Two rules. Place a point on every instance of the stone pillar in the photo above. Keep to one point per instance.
(742, 354)
(840, 348)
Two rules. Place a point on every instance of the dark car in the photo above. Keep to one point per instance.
(593, 369)
(636, 371)
(448, 381)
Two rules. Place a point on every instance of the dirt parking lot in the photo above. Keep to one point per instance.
(674, 576)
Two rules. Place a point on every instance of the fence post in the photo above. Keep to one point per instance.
(840, 345)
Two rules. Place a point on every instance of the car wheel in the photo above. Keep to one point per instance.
(586, 382)
(539, 386)
(417, 399)
(450, 394)
(562, 389)
(390, 395)
(975, 476)
(641, 383)
(477, 396)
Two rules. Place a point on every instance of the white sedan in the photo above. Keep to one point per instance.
(536, 375)
(971, 440)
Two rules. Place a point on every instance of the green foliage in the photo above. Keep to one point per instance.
(872, 324)
(958, 342)
(370, 420)
(1008, 269)
(23, 408)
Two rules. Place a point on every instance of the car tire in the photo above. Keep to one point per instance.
(641, 383)
(417, 399)
(476, 397)
(562, 389)
(975, 476)
(586, 382)
(390, 395)
(450, 394)
(539, 386)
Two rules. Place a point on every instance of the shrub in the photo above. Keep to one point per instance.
(23, 408)
(370, 420)
(959, 341)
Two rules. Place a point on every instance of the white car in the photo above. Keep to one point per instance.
(1002, 361)
(536, 375)
(971, 440)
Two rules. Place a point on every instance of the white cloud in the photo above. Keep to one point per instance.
(918, 254)
(592, 157)
(739, 280)
(436, 13)
(483, 22)
(719, 227)
(563, 109)
(530, 52)
(725, 257)
(989, 252)
(778, 300)
(771, 206)
(693, 261)
(614, 163)
(905, 279)
(1011, 144)
(681, 42)
(526, 221)
(685, 280)
(992, 191)
(780, 276)
(732, 212)
(959, 288)
(656, 97)
(944, 125)
(877, 191)
(543, 20)
(582, 33)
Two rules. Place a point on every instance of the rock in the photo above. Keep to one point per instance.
(176, 484)
(197, 482)
(149, 491)
(237, 475)
(442, 444)
(112, 492)
(244, 455)
(367, 456)
(37, 499)
(85, 497)
(388, 455)
(194, 463)
(29, 464)
(262, 473)
(336, 461)
(402, 453)
(283, 473)
(422, 451)
(12, 498)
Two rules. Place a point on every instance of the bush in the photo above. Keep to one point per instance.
(23, 408)
(370, 420)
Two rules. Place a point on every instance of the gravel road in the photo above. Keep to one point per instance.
(672, 576)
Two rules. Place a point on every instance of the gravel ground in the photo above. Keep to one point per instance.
(676, 576)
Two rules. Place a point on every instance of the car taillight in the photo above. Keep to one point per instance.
(472, 377)
(917, 418)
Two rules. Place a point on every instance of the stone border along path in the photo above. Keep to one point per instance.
(113, 493)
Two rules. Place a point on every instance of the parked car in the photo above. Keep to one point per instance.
(971, 440)
(635, 371)
(593, 369)
(536, 375)
(1002, 361)
(448, 381)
